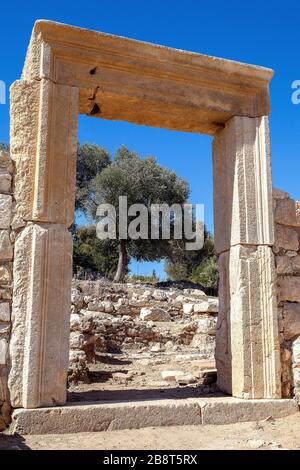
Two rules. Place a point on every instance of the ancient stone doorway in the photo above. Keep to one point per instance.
(70, 71)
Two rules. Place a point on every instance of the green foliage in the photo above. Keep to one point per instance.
(207, 275)
(198, 266)
(102, 180)
(92, 254)
(91, 161)
(145, 182)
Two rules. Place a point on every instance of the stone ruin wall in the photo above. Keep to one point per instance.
(6, 273)
(113, 318)
(10, 225)
(287, 259)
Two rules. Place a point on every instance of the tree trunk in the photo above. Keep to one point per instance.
(122, 262)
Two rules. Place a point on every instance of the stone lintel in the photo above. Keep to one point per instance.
(145, 83)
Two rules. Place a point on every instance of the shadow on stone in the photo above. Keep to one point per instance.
(142, 395)
(13, 442)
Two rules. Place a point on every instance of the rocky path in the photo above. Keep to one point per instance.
(146, 375)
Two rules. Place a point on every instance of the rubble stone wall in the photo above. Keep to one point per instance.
(287, 259)
(112, 318)
(6, 274)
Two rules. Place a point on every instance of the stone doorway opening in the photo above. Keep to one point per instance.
(145, 338)
(70, 71)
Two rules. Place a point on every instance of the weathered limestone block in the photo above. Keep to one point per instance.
(77, 299)
(5, 293)
(6, 164)
(5, 311)
(242, 184)
(5, 211)
(103, 306)
(187, 308)
(3, 351)
(223, 339)
(123, 309)
(279, 194)
(254, 323)
(286, 238)
(199, 294)
(75, 321)
(296, 373)
(6, 170)
(291, 320)
(287, 212)
(3, 384)
(296, 264)
(288, 288)
(4, 328)
(41, 309)
(5, 274)
(296, 352)
(76, 340)
(207, 326)
(287, 218)
(288, 264)
(5, 182)
(6, 250)
(204, 343)
(170, 375)
(17, 222)
(159, 295)
(229, 410)
(78, 369)
(44, 148)
(24, 115)
(284, 265)
(154, 314)
(210, 306)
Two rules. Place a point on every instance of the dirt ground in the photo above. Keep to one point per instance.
(133, 375)
(137, 374)
(276, 434)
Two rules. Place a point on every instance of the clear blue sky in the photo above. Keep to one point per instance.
(262, 33)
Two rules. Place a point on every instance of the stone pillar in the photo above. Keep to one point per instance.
(247, 351)
(44, 147)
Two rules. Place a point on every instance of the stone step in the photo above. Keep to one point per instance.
(103, 416)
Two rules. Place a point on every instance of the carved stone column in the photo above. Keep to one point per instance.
(43, 146)
(247, 351)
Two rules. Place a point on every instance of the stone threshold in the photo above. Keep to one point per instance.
(108, 416)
